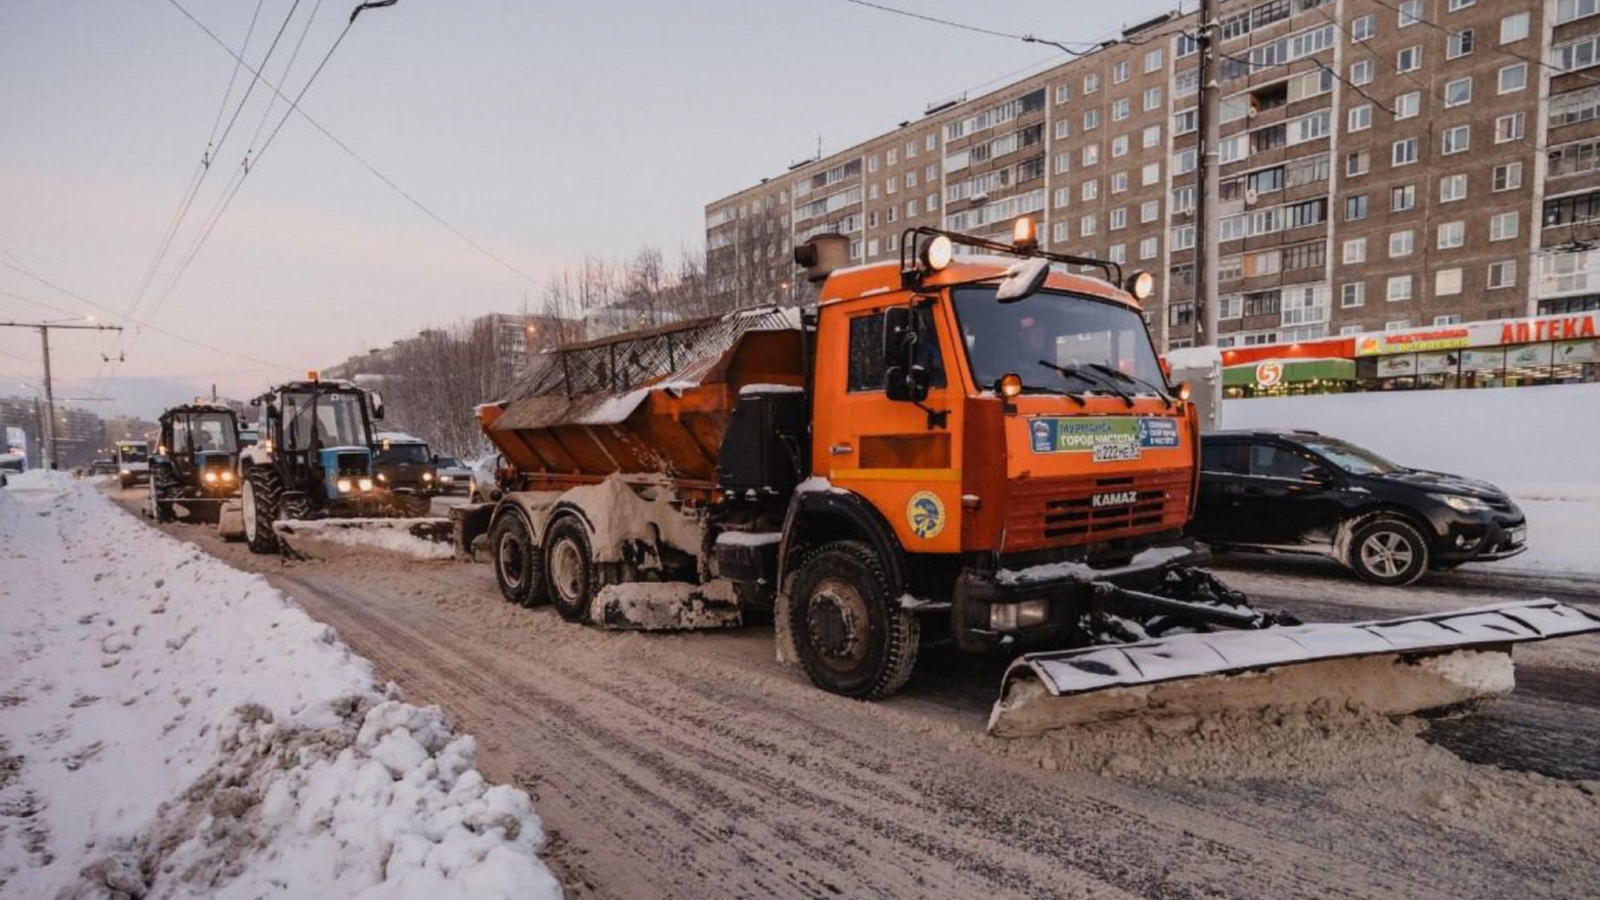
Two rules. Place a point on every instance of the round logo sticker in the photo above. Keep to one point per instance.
(925, 512)
(1269, 373)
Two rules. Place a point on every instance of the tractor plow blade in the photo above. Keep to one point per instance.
(423, 538)
(1393, 667)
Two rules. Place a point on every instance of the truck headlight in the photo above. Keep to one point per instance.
(1462, 503)
(344, 485)
(365, 484)
(1015, 616)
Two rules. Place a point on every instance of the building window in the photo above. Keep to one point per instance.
(1091, 154)
(911, 179)
(1460, 44)
(1119, 146)
(1363, 28)
(1575, 159)
(1407, 105)
(1452, 235)
(1118, 219)
(1408, 60)
(1088, 225)
(1091, 119)
(1402, 243)
(1149, 211)
(1456, 140)
(1150, 174)
(1151, 137)
(1149, 247)
(911, 208)
(1119, 182)
(1410, 13)
(1353, 295)
(1061, 232)
(1399, 288)
(1063, 197)
(1452, 318)
(1063, 163)
(1452, 188)
(1355, 250)
(931, 203)
(1508, 128)
(1360, 118)
(1513, 78)
(1503, 227)
(1120, 72)
(1090, 190)
(1579, 54)
(1152, 60)
(1355, 207)
(1514, 28)
(1403, 198)
(1572, 10)
(1361, 72)
(1404, 152)
(1119, 109)
(1446, 283)
(890, 157)
(1063, 129)
(1503, 274)
(1356, 163)
(1458, 92)
(1399, 324)
(1508, 176)
(1091, 82)
(1063, 93)
(1180, 314)
(1573, 107)
(1455, 5)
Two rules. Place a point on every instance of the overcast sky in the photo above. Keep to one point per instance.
(545, 131)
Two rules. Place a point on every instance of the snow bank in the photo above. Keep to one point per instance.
(172, 727)
(388, 535)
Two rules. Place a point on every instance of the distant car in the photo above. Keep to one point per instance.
(405, 469)
(1303, 492)
(485, 479)
(454, 475)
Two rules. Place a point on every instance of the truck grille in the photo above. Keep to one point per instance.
(1056, 512)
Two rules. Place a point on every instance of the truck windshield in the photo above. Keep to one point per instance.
(1037, 337)
(133, 454)
(404, 453)
(204, 432)
(340, 420)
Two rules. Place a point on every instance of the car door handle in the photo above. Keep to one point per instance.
(841, 449)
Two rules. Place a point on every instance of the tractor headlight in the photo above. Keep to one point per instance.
(382, 477)
(227, 475)
(365, 484)
(1015, 616)
(427, 476)
(343, 485)
(211, 476)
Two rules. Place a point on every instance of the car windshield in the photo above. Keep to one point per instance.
(204, 432)
(404, 453)
(340, 422)
(131, 454)
(450, 462)
(1051, 330)
(1349, 457)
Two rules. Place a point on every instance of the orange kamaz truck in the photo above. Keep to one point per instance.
(976, 445)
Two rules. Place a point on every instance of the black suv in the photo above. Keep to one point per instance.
(1302, 492)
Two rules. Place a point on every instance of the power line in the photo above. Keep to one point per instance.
(1026, 38)
(440, 220)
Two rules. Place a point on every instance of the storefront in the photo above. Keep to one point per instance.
(1281, 370)
(1560, 349)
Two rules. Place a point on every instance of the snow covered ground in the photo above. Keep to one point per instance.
(1537, 443)
(172, 727)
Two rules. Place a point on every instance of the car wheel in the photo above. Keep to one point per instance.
(1389, 552)
(569, 570)
(516, 561)
(852, 638)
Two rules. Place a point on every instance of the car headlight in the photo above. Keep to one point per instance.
(1462, 503)
(126, 472)
(445, 479)
(427, 476)
(1014, 616)
(365, 484)
(344, 485)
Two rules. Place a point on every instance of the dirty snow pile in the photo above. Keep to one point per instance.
(389, 535)
(173, 728)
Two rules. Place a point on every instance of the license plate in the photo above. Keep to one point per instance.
(1115, 452)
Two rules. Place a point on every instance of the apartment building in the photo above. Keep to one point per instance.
(1386, 165)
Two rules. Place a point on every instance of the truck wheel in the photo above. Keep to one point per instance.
(259, 496)
(569, 568)
(851, 636)
(516, 561)
(1390, 552)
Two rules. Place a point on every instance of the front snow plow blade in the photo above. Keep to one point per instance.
(420, 538)
(1391, 667)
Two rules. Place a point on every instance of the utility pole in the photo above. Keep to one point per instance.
(1207, 186)
(48, 432)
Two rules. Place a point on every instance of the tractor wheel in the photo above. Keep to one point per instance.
(162, 486)
(260, 496)
(569, 569)
(1387, 551)
(517, 564)
(850, 634)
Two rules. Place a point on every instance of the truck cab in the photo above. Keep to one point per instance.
(133, 463)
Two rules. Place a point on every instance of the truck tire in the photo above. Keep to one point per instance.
(852, 638)
(569, 570)
(518, 567)
(1388, 551)
(260, 495)
(162, 484)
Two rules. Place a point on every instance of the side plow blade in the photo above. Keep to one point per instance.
(1393, 667)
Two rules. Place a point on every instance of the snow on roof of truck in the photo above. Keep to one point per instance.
(603, 381)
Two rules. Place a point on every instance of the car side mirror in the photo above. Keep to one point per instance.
(1319, 475)
(906, 384)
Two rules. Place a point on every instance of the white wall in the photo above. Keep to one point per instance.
(1537, 442)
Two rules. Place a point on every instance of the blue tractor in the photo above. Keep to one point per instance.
(194, 470)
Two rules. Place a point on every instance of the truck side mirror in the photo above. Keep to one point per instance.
(377, 406)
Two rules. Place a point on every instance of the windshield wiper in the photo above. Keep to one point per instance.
(1078, 373)
(1132, 379)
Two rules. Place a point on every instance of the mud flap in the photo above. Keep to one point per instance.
(1394, 667)
(428, 538)
(666, 606)
(230, 520)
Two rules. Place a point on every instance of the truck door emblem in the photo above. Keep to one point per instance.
(925, 513)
